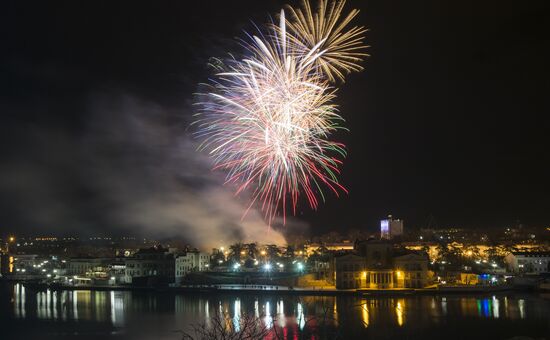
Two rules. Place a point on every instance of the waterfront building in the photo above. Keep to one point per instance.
(528, 262)
(412, 270)
(150, 266)
(350, 271)
(192, 261)
(376, 265)
(82, 265)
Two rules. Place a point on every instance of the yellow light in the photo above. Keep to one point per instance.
(364, 274)
(399, 312)
(399, 273)
(12, 238)
(242, 252)
(263, 252)
(10, 260)
(365, 314)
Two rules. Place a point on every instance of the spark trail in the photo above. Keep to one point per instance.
(266, 118)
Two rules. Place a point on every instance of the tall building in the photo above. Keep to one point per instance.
(390, 228)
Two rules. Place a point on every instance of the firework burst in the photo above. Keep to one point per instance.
(267, 117)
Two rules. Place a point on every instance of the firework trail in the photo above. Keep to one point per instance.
(267, 117)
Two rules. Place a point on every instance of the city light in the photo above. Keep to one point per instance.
(267, 266)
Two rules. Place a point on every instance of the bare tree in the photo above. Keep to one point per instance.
(221, 327)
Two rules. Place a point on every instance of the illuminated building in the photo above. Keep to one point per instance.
(81, 265)
(329, 246)
(376, 265)
(528, 262)
(390, 228)
(190, 262)
(350, 271)
(412, 270)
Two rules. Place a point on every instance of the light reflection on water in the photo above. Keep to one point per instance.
(121, 309)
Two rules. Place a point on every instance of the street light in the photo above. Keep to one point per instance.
(267, 266)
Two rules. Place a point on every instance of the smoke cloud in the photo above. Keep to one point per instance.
(131, 168)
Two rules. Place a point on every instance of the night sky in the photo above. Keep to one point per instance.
(448, 119)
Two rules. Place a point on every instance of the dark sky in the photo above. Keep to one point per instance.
(448, 119)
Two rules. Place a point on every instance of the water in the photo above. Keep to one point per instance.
(27, 314)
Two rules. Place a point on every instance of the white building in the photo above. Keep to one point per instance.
(191, 262)
(390, 228)
(528, 262)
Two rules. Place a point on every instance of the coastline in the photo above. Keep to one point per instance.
(281, 290)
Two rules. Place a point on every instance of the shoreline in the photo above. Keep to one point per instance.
(280, 290)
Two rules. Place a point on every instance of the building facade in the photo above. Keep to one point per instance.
(150, 266)
(412, 270)
(79, 266)
(190, 262)
(390, 228)
(350, 271)
(528, 262)
(377, 266)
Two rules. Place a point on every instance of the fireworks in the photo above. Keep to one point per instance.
(267, 117)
